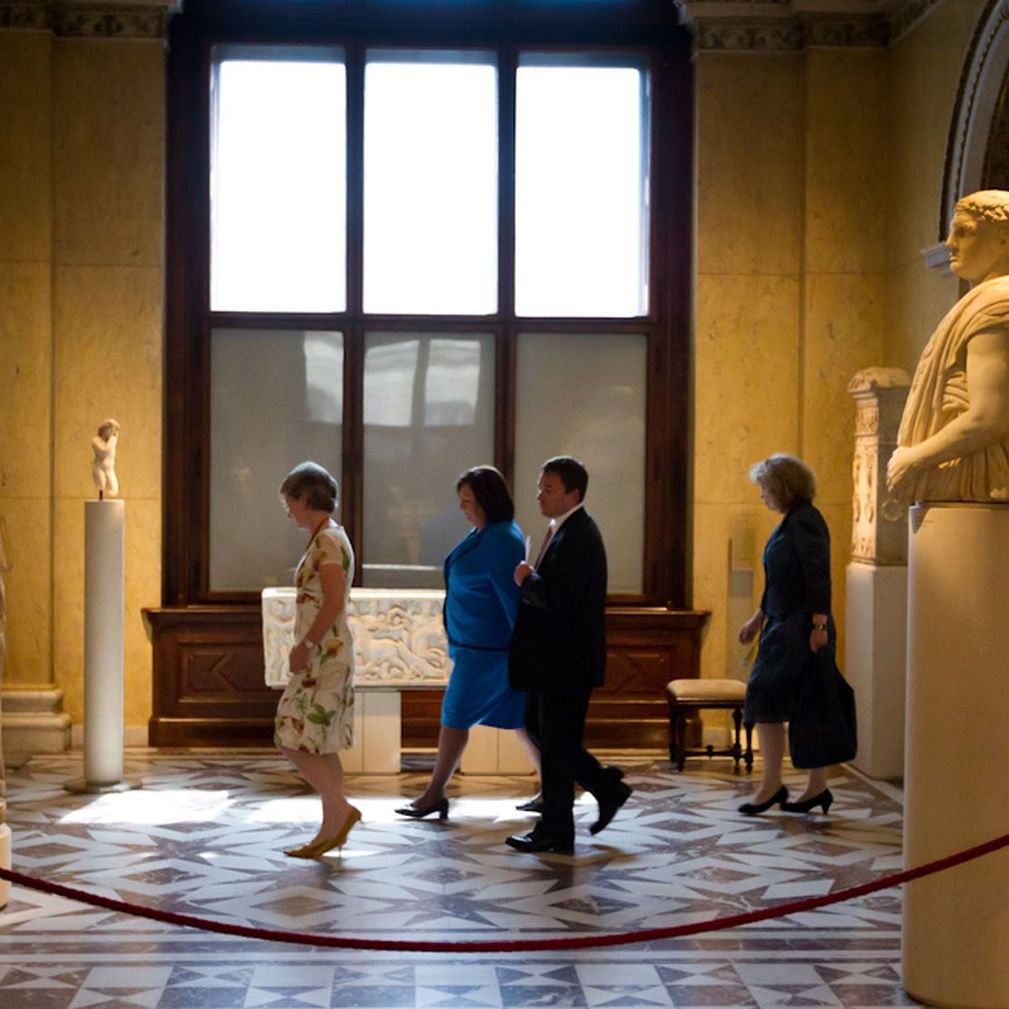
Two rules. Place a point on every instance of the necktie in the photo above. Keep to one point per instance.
(546, 542)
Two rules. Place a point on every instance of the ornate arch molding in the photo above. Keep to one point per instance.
(977, 152)
(122, 19)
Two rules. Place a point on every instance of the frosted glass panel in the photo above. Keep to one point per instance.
(580, 191)
(585, 396)
(278, 187)
(430, 186)
(428, 415)
(276, 399)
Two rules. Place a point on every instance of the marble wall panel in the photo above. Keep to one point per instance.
(842, 333)
(916, 301)
(108, 151)
(29, 591)
(846, 161)
(746, 379)
(25, 143)
(924, 73)
(749, 162)
(25, 379)
(108, 323)
(68, 603)
(143, 589)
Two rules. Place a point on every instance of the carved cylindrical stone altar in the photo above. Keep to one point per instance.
(876, 578)
(956, 928)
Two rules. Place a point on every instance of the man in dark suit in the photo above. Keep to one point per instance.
(558, 654)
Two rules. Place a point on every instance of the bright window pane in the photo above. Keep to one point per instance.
(430, 184)
(580, 191)
(276, 399)
(585, 396)
(278, 187)
(428, 415)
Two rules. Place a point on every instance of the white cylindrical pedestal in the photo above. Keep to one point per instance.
(956, 923)
(104, 577)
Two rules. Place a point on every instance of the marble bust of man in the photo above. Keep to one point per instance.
(953, 442)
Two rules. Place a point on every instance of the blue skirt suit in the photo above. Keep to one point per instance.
(797, 585)
(481, 601)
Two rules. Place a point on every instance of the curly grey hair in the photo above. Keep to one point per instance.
(787, 479)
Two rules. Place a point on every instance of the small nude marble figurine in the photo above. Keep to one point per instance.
(103, 470)
(953, 442)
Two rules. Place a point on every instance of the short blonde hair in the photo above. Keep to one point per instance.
(313, 484)
(786, 478)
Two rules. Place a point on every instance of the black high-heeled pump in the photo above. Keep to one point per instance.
(824, 799)
(419, 812)
(780, 798)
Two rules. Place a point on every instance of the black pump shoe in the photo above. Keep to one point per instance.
(824, 799)
(419, 812)
(780, 798)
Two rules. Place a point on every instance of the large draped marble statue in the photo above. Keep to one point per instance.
(953, 442)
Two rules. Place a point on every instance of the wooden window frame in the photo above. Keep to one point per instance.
(649, 28)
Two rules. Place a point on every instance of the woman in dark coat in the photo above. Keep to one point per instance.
(481, 601)
(793, 619)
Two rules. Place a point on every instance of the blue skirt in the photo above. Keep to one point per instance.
(478, 692)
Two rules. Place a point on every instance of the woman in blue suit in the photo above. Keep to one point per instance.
(481, 601)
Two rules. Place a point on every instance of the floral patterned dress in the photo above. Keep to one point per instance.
(316, 710)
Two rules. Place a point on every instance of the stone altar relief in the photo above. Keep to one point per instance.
(953, 442)
(399, 636)
(103, 468)
(879, 521)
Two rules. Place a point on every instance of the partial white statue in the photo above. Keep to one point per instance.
(103, 470)
(953, 442)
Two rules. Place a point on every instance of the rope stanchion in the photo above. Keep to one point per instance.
(508, 945)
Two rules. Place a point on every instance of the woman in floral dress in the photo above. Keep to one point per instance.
(315, 716)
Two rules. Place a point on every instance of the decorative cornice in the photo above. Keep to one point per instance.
(71, 19)
(789, 25)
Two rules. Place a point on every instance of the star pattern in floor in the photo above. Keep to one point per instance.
(205, 836)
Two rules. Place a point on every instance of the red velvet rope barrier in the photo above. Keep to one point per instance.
(511, 945)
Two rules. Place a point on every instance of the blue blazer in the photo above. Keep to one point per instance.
(481, 597)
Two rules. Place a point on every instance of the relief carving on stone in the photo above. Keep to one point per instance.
(879, 525)
(399, 636)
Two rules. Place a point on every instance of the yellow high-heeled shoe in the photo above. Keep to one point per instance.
(339, 839)
(304, 850)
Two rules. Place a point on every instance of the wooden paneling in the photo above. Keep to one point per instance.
(209, 688)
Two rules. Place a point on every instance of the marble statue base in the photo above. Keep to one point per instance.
(399, 644)
(956, 928)
(5, 862)
(875, 657)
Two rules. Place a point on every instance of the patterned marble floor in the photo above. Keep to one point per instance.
(205, 834)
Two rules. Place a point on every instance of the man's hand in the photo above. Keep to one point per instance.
(522, 571)
(899, 470)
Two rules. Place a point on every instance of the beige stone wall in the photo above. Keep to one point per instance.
(789, 298)
(81, 237)
(924, 72)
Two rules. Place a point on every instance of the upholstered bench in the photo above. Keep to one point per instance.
(686, 697)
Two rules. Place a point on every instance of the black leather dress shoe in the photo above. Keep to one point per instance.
(541, 842)
(533, 805)
(617, 795)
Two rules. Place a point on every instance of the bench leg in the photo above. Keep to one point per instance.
(677, 734)
(748, 755)
(737, 748)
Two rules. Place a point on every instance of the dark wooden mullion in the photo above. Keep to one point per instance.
(669, 412)
(352, 512)
(504, 348)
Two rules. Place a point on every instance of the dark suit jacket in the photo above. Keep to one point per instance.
(559, 642)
